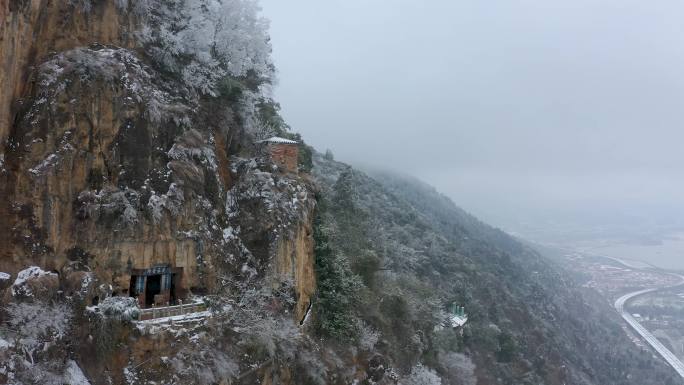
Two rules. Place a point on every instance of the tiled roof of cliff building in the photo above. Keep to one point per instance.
(278, 140)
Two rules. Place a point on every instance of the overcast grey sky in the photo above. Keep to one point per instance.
(514, 108)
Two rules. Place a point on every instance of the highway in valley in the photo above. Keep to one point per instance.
(671, 359)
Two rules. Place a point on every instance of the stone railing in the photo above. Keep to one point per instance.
(171, 311)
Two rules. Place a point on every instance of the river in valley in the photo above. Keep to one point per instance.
(667, 254)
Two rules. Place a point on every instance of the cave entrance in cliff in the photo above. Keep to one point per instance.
(157, 286)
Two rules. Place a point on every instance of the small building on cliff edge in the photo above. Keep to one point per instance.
(283, 152)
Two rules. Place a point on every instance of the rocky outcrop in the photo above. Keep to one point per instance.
(85, 169)
(295, 261)
(110, 167)
(29, 31)
(273, 218)
(110, 164)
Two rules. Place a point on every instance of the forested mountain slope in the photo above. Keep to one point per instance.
(417, 253)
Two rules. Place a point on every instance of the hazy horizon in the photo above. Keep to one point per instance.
(524, 113)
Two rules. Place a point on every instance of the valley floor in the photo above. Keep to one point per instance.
(650, 300)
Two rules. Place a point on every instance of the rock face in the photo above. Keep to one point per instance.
(295, 259)
(30, 29)
(115, 173)
(107, 163)
(84, 171)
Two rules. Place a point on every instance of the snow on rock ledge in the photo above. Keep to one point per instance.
(35, 282)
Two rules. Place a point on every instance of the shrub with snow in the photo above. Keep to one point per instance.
(368, 337)
(37, 325)
(120, 308)
(421, 375)
(203, 365)
(459, 367)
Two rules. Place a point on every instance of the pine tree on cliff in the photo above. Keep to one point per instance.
(353, 230)
(338, 287)
(350, 218)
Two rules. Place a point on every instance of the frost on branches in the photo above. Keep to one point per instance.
(35, 334)
(421, 375)
(205, 41)
(120, 308)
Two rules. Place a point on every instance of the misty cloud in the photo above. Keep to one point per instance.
(516, 109)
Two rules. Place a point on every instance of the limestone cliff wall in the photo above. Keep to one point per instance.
(295, 260)
(107, 163)
(30, 29)
(85, 179)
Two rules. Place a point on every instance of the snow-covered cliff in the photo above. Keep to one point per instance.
(127, 147)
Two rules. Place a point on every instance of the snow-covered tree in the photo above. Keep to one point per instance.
(37, 326)
(203, 41)
(421, 375)
(459, 367)
(265, 129)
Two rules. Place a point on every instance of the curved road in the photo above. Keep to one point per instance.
(644, 333)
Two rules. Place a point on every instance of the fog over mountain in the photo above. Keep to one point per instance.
(523, 112)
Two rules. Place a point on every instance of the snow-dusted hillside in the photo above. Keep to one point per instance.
(411, 254)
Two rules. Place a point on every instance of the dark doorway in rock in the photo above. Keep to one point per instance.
(163, 282)
(132, 290)
(172, 290)
(153, 288)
